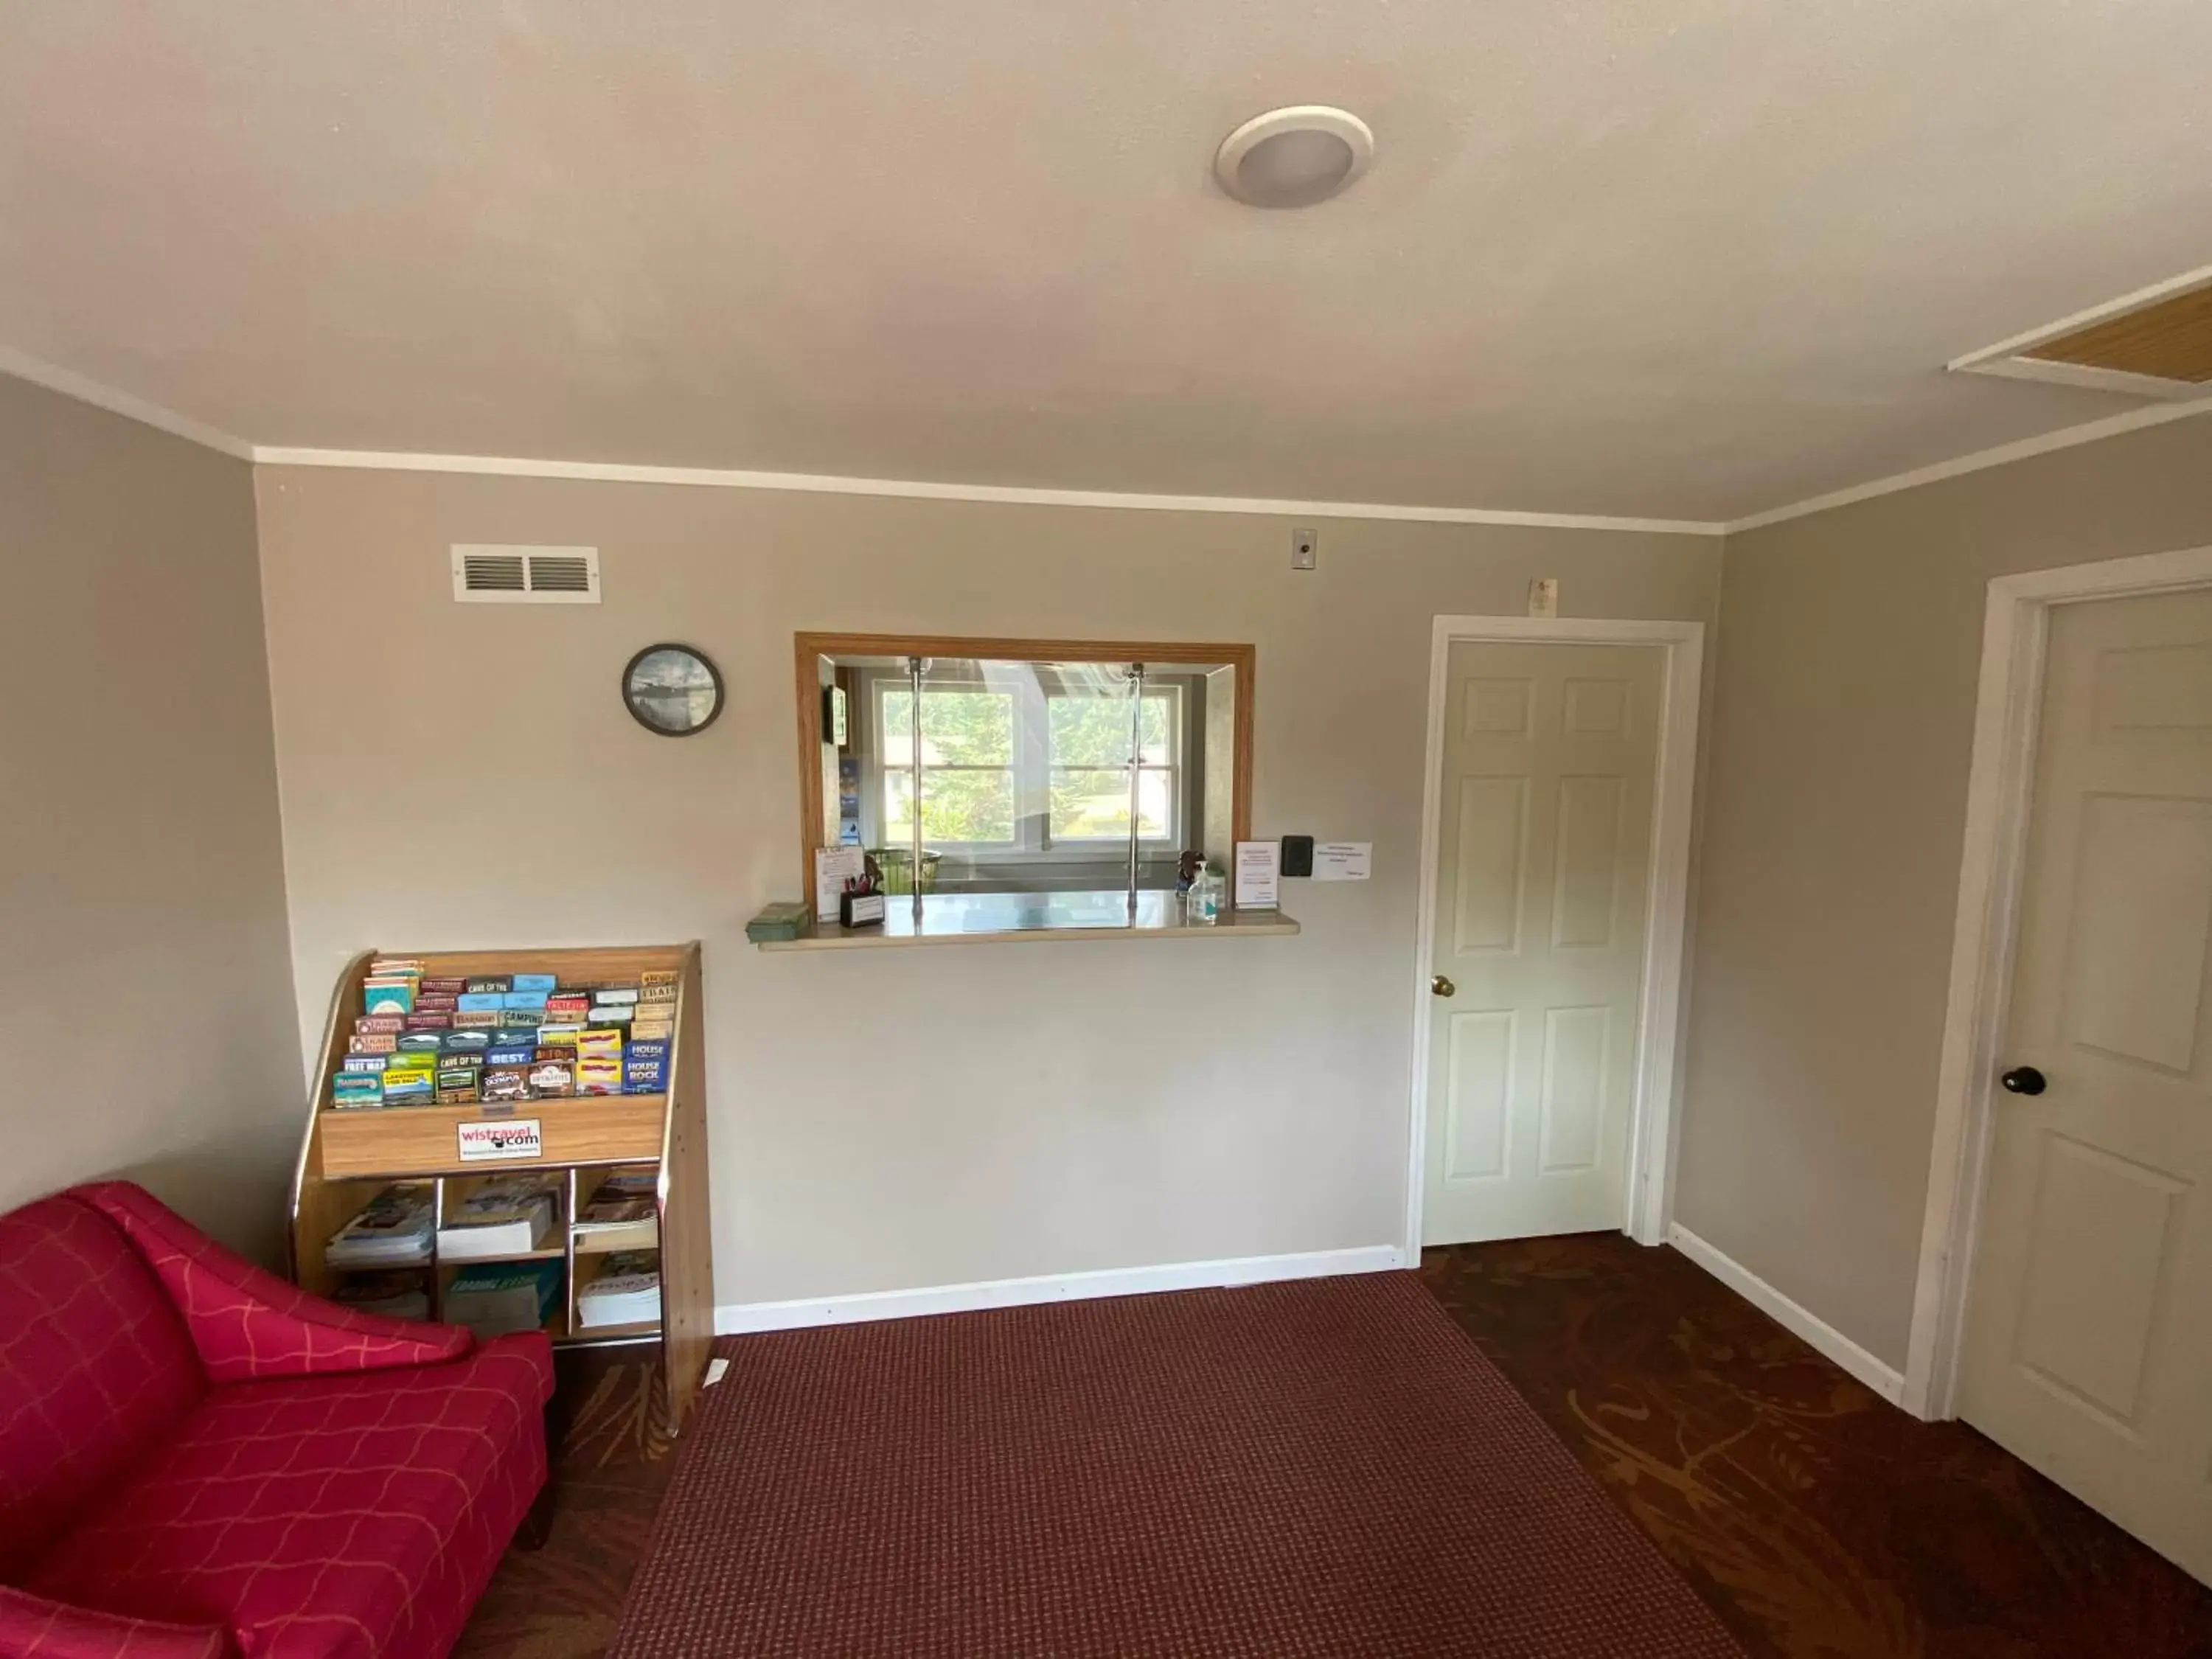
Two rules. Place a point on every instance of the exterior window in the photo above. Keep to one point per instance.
(1090, 763)
(966, 764)
(1029, 770)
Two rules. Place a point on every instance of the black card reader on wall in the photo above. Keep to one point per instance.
(1297, 855)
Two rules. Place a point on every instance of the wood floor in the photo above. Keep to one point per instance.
(1819, 1521)
(612, 1461)
(1816, 1520)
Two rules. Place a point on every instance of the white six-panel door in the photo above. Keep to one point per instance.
(1542, 879)
(2088, 1349)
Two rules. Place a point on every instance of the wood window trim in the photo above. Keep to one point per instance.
(809, 649)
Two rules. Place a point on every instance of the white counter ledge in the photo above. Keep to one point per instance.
(1035, 918)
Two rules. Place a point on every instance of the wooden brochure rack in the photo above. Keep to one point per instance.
(347, 1157)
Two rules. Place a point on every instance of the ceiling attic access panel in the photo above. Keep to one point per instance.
(2169, 341)
(2155, 343)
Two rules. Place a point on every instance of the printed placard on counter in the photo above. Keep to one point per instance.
(500, 1138)
(1258, 875)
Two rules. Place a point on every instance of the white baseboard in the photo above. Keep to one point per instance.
(740, 1318)
(1885, 1380)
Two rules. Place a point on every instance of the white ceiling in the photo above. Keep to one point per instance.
(1693, 259)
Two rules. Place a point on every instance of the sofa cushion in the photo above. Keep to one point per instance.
(95, 1368)
(312, 1515)
(32, 1627)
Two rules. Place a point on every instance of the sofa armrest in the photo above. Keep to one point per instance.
(248, 1324)
(32, 1627)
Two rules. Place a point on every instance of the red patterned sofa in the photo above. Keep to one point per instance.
(199, 1462)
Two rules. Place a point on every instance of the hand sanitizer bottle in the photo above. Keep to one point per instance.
(1205, 904)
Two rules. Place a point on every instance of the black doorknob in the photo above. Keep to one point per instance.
(2024, 1080)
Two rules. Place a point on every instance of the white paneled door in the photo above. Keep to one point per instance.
(2088, 1347)
(1542, 880)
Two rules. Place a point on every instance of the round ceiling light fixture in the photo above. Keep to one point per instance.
(1294, 156)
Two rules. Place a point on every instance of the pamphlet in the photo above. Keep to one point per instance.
(1259, 864)
(392, 1230)
(626, 1293)
(833, 867)
(501, 1218)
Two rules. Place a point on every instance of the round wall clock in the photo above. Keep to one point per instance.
(672, 690)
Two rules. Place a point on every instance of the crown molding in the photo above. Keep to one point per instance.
(70, 384)
(920, 489)
(2067, 437)
(86, 390)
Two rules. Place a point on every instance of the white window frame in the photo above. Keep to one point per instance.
(889, 685)
(1176, 769)
(1033, 768)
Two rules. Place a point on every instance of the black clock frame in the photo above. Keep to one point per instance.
(629, 702)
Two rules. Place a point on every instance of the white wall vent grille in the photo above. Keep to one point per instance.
(525, 576)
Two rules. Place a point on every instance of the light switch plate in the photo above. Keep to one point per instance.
(1305, 547)
(1544, 597)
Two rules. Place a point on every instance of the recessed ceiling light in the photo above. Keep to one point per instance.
(1295, 157)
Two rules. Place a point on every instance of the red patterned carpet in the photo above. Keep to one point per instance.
(1815, 1520)
(1323, 1468)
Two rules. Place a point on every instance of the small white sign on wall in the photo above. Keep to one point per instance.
(1343, 861)
(496, 1138)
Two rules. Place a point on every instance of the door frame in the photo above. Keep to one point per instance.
(2007, 711)
(1648, 1200)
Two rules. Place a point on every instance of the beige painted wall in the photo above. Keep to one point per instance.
(1267, 1112)
(465, 774)
(142, 944)
(1840, 737)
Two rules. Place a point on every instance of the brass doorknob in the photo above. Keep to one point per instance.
(1442, 986)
